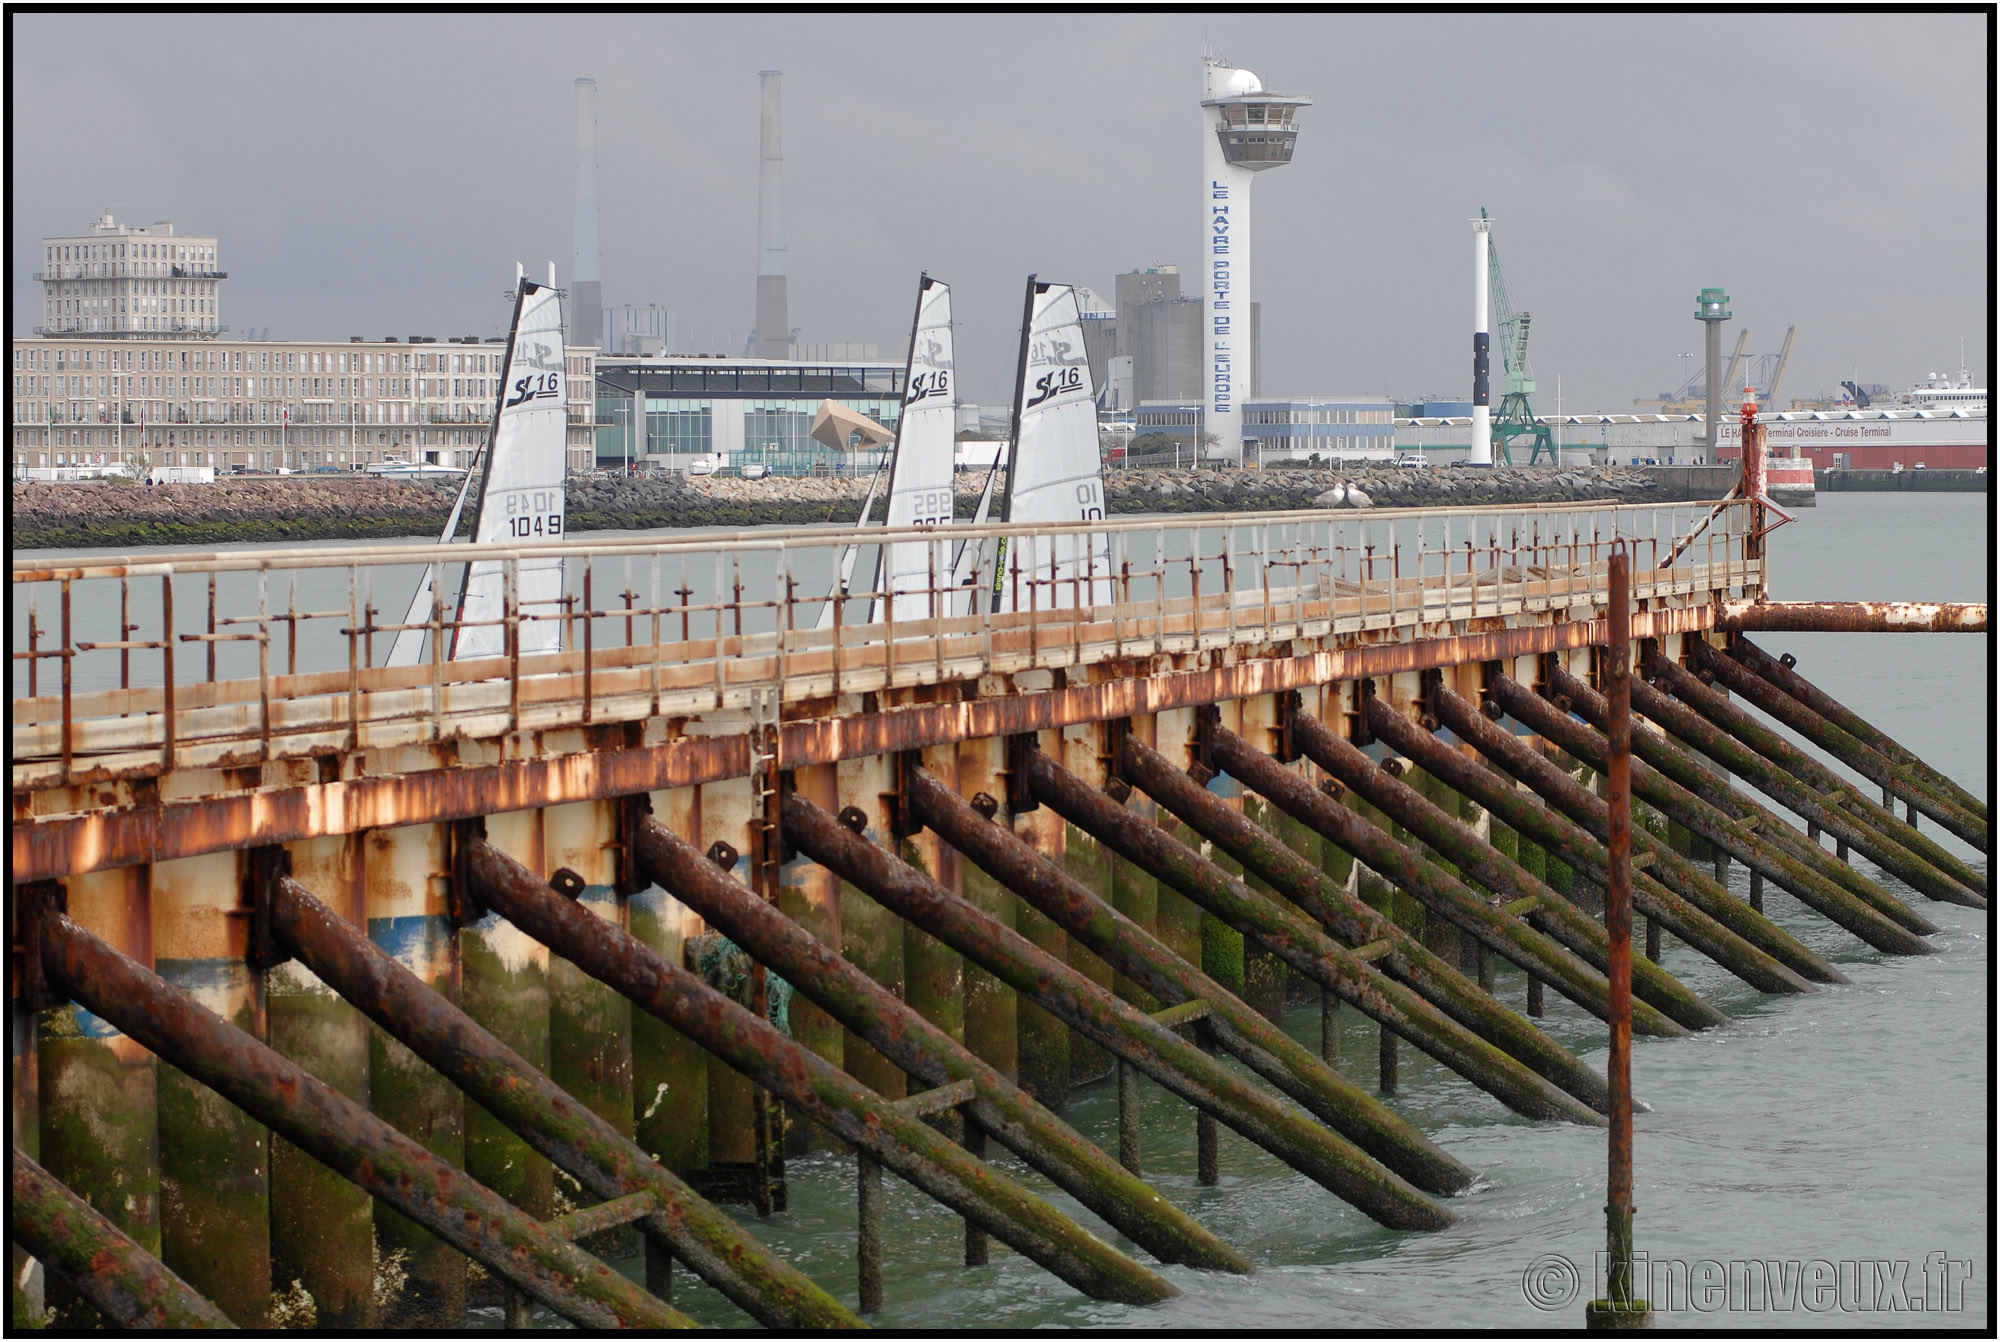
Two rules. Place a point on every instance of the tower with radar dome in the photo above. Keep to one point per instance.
(1246, 129)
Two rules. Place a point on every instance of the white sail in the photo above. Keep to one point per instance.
(921, 466)
(1054, 475)
(521, 496)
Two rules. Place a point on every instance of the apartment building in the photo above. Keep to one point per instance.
(302, 405)
(125, 282)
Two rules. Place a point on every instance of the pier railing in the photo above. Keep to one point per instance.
(130, 667)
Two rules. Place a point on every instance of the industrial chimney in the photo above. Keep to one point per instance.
(586, 294)
(774, 329)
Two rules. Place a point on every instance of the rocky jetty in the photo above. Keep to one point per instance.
(111, 514)
(1373, 486)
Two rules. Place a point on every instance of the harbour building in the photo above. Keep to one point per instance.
(81, 404)
(667, 413)
(1296, 430)
(126, 282)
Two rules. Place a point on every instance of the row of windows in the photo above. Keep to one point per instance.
(1319, 415)
(120, 251)
(248, 412)
(778, 433)
(243, 361)
(132, 286)
(817, 381)
(1235, 115)
(319, 388)
(1306, 437)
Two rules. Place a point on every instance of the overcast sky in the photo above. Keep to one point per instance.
(373, 174)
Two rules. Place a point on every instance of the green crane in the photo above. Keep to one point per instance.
(1515, 418)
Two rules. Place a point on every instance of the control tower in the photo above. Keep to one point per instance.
(1711, 309)
(1246, 130)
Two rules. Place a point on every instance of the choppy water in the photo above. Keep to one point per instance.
(1849, 1127)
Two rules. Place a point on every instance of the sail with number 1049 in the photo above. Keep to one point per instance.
(520, 499)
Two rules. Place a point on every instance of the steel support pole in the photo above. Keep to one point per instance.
(577, 1141)
(345, 1137)
(1755, 843)
(1564, 835)
(1516, 758)
(1618, 1209)
(1551, 913)
(1139, 956)
(1784, 675)
(1388, 975)
(1698, 723)
(1284, 1131)
(1443, 894)
(827, 1095)
(1751, 947)
(101, 1263)
(1792, 859)
(1737, 675)
(926, 1052)
(1849, 750)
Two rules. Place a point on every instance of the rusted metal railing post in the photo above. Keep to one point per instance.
(1619, 1306)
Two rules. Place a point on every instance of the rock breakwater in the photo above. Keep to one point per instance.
(109, 514)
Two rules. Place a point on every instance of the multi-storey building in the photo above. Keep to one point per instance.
(123, 282)
(260, 405)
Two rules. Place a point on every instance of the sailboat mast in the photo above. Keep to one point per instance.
(499, 400)
(1014, 440)
(896, 448)
(521, 287)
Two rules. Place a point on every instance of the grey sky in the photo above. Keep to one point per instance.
(376, 174)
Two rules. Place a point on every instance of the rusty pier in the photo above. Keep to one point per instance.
(357, 996)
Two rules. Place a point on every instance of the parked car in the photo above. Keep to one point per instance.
(755, 471)
(1414, 459)
(701, 466)
(1920, 467)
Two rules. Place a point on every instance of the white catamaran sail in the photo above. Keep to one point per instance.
(1053, 471)
(521, 497)
(920, 471)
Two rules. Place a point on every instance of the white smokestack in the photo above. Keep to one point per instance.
(774, 331)
(1482, 398)
(586, 297)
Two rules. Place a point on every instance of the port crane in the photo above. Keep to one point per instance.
(1516, 418)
